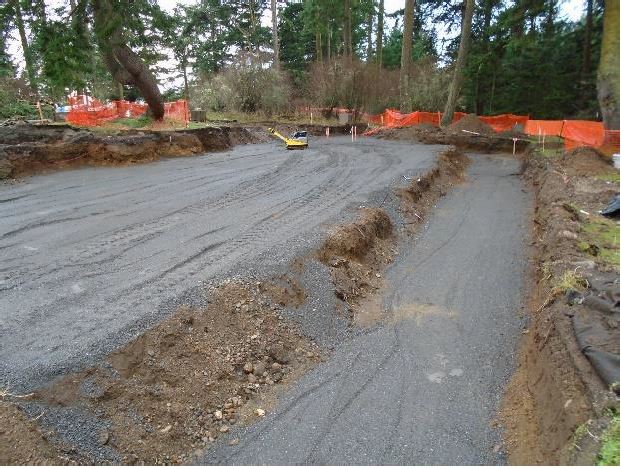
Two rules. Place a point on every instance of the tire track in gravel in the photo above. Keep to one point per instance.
(71, 290)
(423, 387)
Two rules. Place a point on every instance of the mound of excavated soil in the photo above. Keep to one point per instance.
(471, 123)
(27, 149)
(23, 443)
(181, 385)
(353, 240)
(586, 161)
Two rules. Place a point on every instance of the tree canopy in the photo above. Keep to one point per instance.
(524, 57)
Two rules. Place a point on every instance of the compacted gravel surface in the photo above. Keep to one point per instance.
(90, 258)
(422, 386)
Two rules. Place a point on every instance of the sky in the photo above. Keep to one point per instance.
(572, 10)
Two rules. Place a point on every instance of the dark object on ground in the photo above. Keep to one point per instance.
(596, 326)
(612, 209)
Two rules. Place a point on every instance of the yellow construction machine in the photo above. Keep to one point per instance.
(298, 141)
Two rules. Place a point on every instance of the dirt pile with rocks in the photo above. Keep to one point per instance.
(184, 384)
(586, 161)
(28, 149)
(471, 123)
(483, 142)
(558, 405)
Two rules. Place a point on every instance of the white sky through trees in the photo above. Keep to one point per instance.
(571, 10)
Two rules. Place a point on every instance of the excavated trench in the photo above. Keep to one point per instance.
(188, 388)
(185, 383)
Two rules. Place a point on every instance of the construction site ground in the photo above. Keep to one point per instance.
(358, 302)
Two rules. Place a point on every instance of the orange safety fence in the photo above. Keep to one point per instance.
(574, 132)
(539, 127)
(582, 133)
(91, 112)
(504, 122)
(394, 118)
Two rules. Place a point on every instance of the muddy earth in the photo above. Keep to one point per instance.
(565, 391)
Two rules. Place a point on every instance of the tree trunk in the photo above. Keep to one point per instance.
(347, 45)
(124, 64)
(329, 47)
(19, 22)
(275, 44)
(483, 78)
(462, 57)
(379, 42)
(406, 57)
(186, 88)
(369, 37)
(586, 46)
(318, 51)
(608, 72)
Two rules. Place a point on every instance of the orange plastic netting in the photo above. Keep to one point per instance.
(91, 112)
(504, 122)
(574, 132)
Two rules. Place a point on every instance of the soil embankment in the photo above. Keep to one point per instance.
(469, 133)
(29, 149)
(563, 394)
(422, 384)
(192, 379)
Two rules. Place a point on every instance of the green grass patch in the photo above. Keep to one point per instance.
(133, 122)
(611, 176)
(609, 450)
(604, 234)
(570, 280)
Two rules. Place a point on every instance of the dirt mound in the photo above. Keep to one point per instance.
(425, 133)
(418, 196)
(516, 131)
(586, 161)
(358, 252)
(183, 384)
(413, 133)
(471, 123)
(353, 240)
(23, 443)
(27, 149)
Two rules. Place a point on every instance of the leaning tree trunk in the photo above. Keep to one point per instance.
(462, 57)
(608, 72)
(406, 57)
(123, 63)
(275, 44)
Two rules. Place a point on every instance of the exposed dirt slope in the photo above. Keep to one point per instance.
(557, 404)
(471, 123)
(22, 442)
(28, 149)
(357, 253)
(487, 143)
(184, 383)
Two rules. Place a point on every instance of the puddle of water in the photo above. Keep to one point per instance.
(369, 312)
(418, 311)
